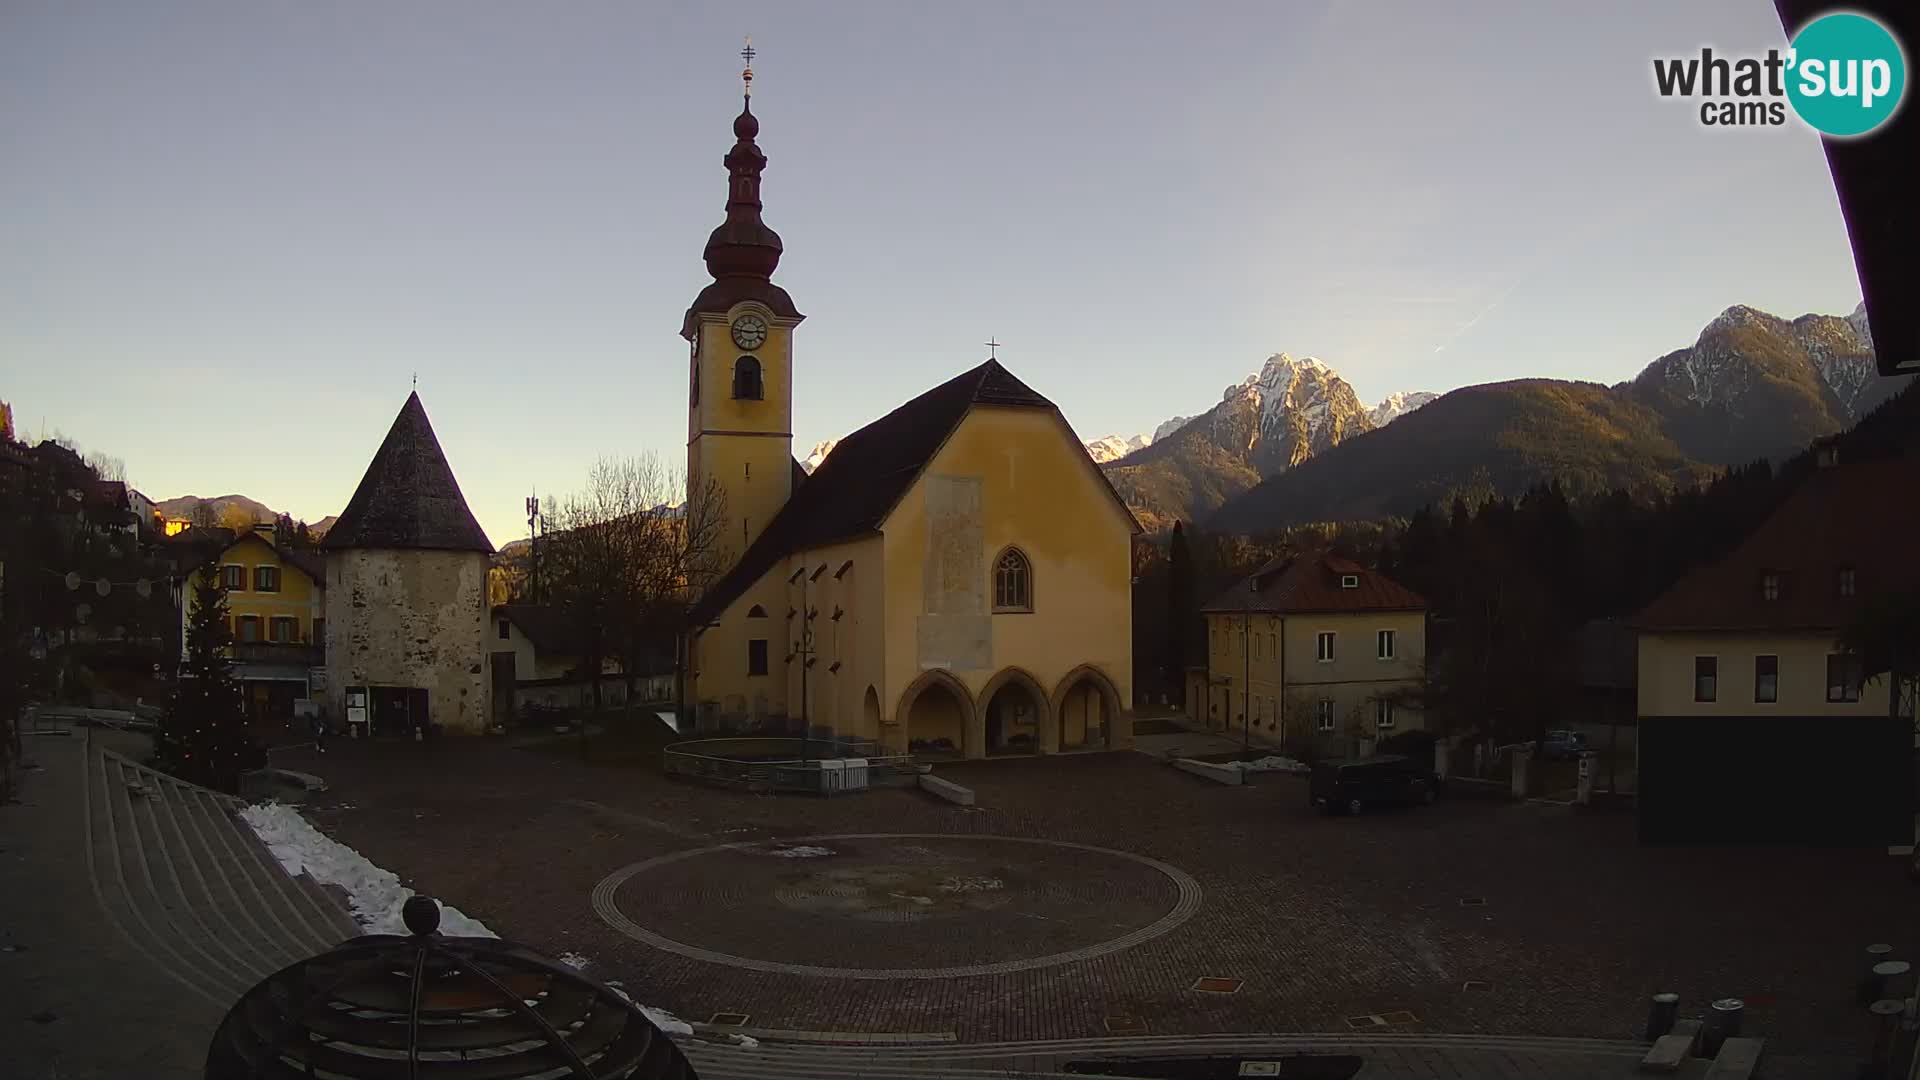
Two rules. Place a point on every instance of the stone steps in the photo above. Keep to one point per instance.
(189, 886)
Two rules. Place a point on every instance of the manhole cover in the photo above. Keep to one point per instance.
(1214, 985)
(1120, 1025)
(729, 1019)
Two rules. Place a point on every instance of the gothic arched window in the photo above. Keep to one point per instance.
(756, 612)
(1012, 582)
(746, 379)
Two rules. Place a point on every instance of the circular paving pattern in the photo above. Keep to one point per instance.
(897, 906)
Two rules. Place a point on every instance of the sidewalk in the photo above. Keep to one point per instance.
(77, 1000)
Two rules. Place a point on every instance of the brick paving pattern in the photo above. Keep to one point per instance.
(1321, 919)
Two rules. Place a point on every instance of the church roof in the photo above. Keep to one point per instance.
(869, 471)
(408, 499)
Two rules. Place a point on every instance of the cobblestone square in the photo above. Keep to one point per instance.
(930, 918)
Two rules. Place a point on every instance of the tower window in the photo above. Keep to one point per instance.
(757, 656)
(1012, 582)
(746, 379)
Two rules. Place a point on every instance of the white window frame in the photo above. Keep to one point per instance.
(1384, 642)
(1324, 646)
(1697, 699)
(1349, 581)
(1325, 716)
(1383, 718)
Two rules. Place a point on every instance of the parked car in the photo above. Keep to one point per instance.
(1350, 785)
(1559, 745)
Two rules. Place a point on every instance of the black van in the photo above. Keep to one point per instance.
(1352, 785)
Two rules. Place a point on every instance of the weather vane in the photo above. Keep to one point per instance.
(993, 349)
(746, 76)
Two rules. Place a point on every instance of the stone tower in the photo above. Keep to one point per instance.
(407, 592)
(740, 373)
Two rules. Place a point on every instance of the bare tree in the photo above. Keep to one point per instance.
(107, 468)
(621, 560)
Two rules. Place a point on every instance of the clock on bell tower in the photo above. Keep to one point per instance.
(740, 332)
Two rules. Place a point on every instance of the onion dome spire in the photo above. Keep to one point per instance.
(743, 245)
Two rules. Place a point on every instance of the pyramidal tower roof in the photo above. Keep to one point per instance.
(408, 498)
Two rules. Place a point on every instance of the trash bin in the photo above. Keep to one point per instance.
(1722, 1023)
(1661, 1015)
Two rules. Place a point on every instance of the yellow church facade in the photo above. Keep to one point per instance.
(954, 578)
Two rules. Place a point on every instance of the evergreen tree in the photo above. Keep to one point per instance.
(203, 737)
(1182, 612)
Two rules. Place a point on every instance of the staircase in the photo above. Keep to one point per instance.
(188, 885)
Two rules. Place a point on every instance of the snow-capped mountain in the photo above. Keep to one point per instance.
(1398, 405)
(1115, 447)
(818, 454)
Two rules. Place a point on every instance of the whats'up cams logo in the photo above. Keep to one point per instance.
(1843, 74)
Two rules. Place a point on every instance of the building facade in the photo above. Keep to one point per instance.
(1312, 647)
(1755, 723)
(406, 570)
(276, 613)
(954, 578)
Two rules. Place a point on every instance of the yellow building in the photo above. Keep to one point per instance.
(955, 577)
(1753, 722)
(1312, 647)
(276, 612)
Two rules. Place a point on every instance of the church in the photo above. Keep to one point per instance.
(955, 578)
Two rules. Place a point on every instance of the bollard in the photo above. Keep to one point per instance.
(1888, 978)
(1521, 758)
(1886, 1032)
(1722, 1023)
(1660, 1015)
(1442, 759)
(1864, 990)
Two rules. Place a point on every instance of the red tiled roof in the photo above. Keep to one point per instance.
(1311, 583)
(1864, 516)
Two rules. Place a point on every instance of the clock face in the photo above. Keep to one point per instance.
(749, 331)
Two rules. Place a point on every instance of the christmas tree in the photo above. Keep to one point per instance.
(203, 738)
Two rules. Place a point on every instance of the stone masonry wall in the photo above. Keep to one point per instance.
(410, 618)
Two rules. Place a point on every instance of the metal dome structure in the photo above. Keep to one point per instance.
(424, 1006)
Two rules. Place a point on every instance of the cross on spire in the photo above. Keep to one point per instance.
(746, 75)
(993, 350)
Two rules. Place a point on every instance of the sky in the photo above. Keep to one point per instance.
(233, 234)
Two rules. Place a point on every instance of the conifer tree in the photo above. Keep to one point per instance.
(203, 738)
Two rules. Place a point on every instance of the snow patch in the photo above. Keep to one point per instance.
(660, 1018)
(375, 895)
(747, 1041)
(802, 852)
(1395, 406)
(817, 455)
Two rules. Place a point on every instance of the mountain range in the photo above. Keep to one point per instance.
(1751, 386)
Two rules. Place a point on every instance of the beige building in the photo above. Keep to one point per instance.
(1754, 725)
(407, 593)
(954, 578)
(1312, 647)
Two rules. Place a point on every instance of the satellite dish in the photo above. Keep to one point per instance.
(103, 586)
(73, 580)
(143, 588)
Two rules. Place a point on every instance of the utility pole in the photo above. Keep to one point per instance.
(533, 541)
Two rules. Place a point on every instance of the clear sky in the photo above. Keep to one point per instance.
(230, 233)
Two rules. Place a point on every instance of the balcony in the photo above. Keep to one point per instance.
(291, 654)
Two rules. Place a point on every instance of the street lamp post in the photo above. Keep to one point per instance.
(803, 650)
(1246, 664)
(533, 542)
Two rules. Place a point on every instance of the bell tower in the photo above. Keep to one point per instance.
(740, 369)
